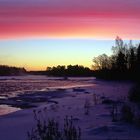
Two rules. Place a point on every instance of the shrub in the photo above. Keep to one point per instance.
(137, 120)
(50, 130)
(126, 113)
(108, 101)
(70, 131)
(114, 112)
(87, 106)
(134, 94)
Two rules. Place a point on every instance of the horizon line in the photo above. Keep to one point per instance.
(67, 38)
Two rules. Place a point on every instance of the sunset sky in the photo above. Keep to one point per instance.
(39, 33)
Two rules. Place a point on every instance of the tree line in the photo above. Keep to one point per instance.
(70, 70)
(11, 71)
(124, 63)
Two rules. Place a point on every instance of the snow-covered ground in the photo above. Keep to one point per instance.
(71, 96)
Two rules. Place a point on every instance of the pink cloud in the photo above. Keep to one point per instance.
(64, 18)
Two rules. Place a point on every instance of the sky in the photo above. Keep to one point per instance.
(39, 33)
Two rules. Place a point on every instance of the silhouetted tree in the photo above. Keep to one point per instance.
(102, 62)
(132, 59)
(120, 51)
(138, 64)
(121, 62)
(138, 58)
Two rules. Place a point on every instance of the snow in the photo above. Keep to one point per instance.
(97, 124)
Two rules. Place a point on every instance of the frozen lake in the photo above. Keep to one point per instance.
(12, 86)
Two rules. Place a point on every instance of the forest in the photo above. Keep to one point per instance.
(124, 63)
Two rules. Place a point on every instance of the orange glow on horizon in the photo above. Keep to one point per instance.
(42, 67)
